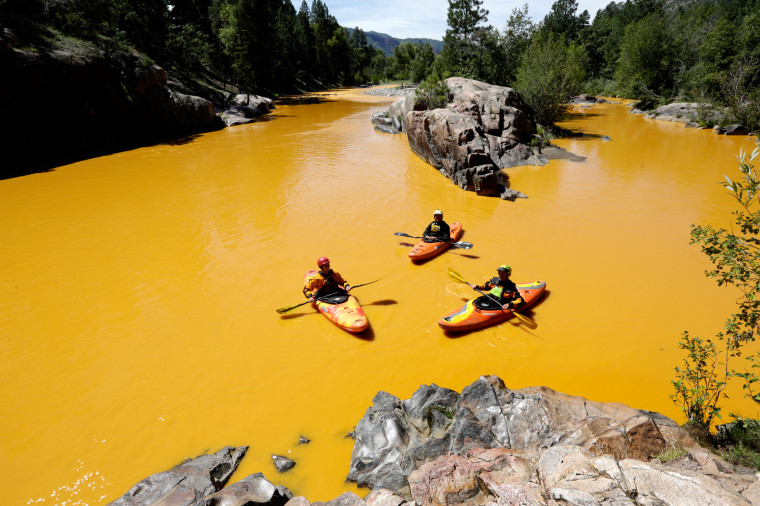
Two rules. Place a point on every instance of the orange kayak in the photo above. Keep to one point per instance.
(342, 309)
(426, 250)
(478, 313)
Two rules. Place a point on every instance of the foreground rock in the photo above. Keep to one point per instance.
(533, 446)
(483, 129)
(187, 482)
(488, 445)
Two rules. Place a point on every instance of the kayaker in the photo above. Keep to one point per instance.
(502, 288)
(438, 230)
(326, 281)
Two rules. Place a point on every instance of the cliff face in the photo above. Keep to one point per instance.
(61, 106)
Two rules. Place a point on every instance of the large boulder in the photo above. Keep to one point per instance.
(482, 130)
(186, 483)
(396, 437)
(245, 108)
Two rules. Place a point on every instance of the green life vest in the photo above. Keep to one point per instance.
(497, 290)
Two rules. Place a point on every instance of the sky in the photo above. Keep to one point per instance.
(405, 19)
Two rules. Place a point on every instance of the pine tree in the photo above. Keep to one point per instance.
(466, 19)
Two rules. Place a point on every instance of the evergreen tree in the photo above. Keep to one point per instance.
(305, 43)
(562, 20)
(461, 48)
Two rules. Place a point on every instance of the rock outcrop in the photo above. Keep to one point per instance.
(186, 483)
(245, 109)
(59, 106)
(482, 130)
(531, 446)
(488, 445)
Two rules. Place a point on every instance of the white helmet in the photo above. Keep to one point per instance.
(437, 211)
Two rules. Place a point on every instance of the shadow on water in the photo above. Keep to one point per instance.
(579, 115)
(382, 302)
(366, 335)
(300, 100)
(180, 141)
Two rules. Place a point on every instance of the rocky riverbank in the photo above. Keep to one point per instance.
(62, 105)
(489, 445)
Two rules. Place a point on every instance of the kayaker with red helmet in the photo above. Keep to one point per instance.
(324, 282)
(438, 230)
(502, 288)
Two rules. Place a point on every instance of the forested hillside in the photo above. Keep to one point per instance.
(653, 50)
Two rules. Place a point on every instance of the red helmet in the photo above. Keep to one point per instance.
(322, 261)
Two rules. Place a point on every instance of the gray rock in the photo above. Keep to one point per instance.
(283, 464)
(187, 482)
(394, 438)
(587, 99)
(736, 130)
(251, 490)
(245, 108)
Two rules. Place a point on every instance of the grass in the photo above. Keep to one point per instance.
(739, 442)
(671, 453)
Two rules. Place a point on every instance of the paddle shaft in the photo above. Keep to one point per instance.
(288, 308)
(457, 244)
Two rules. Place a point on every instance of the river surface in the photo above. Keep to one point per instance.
(138, 290)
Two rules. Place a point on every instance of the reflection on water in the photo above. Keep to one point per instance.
(138, 291)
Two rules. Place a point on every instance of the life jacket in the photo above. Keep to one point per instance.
(497, 290)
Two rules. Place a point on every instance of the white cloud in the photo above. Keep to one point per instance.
(427, 18)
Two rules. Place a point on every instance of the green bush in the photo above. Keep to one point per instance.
(432, 93)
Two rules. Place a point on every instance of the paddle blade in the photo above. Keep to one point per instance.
(462, 245)
(285, 309)
(402, 234)
(525, 320)
(456, 276)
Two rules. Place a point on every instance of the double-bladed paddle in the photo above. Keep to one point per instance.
(458, 277)
(460, 244)
(285, 309)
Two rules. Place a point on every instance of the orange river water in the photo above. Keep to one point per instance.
(138, 290)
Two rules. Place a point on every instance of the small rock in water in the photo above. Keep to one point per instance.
(303, 440)
(283, 463)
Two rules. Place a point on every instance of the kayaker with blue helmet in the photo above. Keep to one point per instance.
(438, 230)
(325, 282)
(502, 288)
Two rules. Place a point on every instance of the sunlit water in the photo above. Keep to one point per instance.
(138, 291)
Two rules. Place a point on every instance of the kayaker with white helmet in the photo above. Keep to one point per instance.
(438, 230)
(326, 281)
(502, 288)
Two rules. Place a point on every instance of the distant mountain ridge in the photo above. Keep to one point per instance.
(386, 42)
